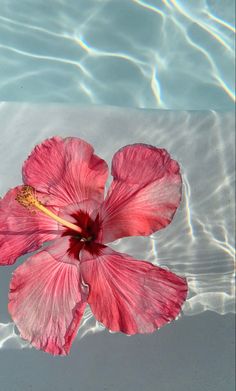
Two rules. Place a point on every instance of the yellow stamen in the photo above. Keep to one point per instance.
(27, 198)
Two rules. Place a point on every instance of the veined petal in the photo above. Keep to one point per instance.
(66, 249)
(22, 231)
(129, 295)
(144, 194)
(66, 170)
(47, 301)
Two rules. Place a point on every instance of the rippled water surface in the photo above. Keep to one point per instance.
(199, 243)
(154, 54)
(150, 54)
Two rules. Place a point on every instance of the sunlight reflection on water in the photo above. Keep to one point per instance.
(199, 243)
(147, 54)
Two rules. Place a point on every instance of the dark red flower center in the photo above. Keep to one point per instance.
(85, 239)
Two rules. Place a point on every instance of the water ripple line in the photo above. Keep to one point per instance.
(203, 25)
(47, 58)
(215, 72)
(99, 33)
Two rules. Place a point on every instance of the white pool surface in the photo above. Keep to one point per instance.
(197, 350)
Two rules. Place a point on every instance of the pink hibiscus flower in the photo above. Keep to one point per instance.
(62, 201)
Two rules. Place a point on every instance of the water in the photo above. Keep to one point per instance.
(150, 54)
(199, 243)
(155, 54)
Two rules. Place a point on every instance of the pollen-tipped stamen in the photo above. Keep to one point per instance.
(27, 198)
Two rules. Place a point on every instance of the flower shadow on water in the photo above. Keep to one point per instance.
(199, 243)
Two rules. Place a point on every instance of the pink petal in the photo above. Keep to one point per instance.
(46, 302)
(67, 170)
(22, 231)
(66, 249)
(144, 194)
(129, 295)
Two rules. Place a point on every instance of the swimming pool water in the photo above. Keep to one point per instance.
(154, 54)
(199, 243)
(196, 352)
(149, 54)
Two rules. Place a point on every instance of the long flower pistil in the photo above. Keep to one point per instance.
(27, 198)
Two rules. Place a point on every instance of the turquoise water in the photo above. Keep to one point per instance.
(147, 54)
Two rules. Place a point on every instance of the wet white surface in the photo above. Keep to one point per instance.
(198, 244)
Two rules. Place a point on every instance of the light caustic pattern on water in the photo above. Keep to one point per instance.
(199, 243)
(150, 54)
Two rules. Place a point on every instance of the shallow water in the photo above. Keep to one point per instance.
(150, 54)
(154, 54)
(199, 243)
